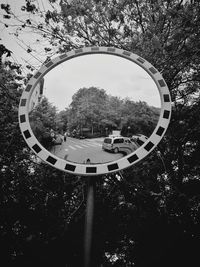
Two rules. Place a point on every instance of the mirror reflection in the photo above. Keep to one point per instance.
(94, 108)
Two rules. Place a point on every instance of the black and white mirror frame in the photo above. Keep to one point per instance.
(95, 169)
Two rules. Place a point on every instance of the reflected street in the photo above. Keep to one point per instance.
(79, 150)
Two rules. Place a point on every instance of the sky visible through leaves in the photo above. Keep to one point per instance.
(117, 76)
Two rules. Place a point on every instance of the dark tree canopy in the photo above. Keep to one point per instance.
(150, 217)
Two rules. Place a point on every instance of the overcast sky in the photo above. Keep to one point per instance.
(116, 75)
(27, 38)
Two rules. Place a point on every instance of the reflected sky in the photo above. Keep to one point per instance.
(116, 75)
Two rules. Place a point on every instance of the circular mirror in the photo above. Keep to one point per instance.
(95, 110)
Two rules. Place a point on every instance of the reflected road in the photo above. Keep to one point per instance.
(79, 150)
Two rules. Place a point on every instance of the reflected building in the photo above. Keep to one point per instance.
(37, 95)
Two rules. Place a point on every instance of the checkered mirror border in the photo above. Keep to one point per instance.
(95, 169)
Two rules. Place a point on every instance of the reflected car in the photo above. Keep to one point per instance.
(58, 140)
(118, 144)
(139, 139)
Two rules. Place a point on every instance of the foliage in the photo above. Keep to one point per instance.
(92, 113)
(36, 202)
(92, 108)
(42, 121)
(151, 216)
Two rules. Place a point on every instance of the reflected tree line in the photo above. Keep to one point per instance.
(93, 113)
(151, 217)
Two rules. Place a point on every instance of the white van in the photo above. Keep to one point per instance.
(118, 144)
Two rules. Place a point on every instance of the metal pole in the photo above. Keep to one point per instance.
(89, 222)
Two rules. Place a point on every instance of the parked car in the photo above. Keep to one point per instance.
(118, 144)
(140, 139)
(58, 140)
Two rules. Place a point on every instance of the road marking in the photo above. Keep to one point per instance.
(79, 146)
(98, 144)
(75, 142)
(94, 145)
(72, 147)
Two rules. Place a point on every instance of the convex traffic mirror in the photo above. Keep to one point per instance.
(93, 107)
(94, 110)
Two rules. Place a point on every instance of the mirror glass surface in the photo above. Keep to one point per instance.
(94, 108)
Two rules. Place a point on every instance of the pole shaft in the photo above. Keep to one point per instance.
(89, 222)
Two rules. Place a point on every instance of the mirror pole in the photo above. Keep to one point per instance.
(89, 221)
